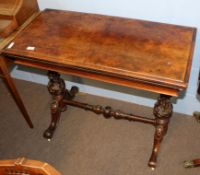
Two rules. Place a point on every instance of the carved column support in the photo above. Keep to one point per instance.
(163, 110)
(57, 89)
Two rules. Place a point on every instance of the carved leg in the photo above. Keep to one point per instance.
(56, 87)
(162, 111)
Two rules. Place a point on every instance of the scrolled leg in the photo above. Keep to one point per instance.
(162, 112)
(55, 116)
(56, 88)
(71, 94)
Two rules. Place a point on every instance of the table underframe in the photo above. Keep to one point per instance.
(62, 97)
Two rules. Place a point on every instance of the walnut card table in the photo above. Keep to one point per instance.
(144, 55)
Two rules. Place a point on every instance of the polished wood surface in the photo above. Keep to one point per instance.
(146, 55)
(143, 52)
(14, 13)
(27, 167)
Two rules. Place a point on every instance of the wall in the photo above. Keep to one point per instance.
(182, 12)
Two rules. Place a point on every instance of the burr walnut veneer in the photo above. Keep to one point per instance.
(139, 54)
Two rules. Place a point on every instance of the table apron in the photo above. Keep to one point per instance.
(104, 78)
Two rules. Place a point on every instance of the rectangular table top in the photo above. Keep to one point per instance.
(137, 50)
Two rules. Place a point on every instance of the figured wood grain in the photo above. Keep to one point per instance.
(145, 52)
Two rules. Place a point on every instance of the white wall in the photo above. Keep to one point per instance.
(182, 12)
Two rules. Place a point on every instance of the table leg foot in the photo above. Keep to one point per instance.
(162, 112)
(55, 116)
(192, 163)
(56, 87)
(188, 164)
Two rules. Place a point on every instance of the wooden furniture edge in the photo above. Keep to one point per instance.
(148, 78)
(21, 164)
(189, 65)
(100, 77)
(162, 81)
